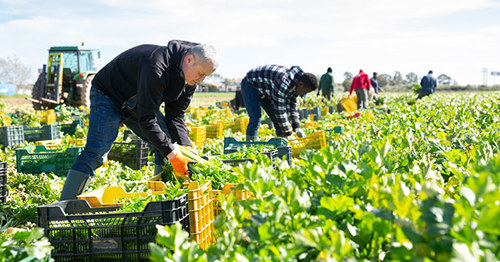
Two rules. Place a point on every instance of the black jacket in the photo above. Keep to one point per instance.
(153, 74)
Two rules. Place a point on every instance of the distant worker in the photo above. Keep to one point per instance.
(326, 84)
(361, 85)
(375, 87)
(275, 88)
(129, 90)
(428, 84)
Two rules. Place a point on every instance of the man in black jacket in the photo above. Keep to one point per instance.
(130, 90)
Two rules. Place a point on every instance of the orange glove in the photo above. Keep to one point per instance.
(180, 165)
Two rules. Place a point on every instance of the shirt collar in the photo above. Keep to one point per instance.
(179, 67)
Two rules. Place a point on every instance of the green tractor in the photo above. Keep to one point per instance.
(66, 79)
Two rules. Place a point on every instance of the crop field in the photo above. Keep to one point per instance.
(404, 180)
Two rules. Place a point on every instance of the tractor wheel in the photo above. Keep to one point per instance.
(85, 92)
(36, 93)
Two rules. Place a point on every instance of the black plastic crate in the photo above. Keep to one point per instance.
(3, 182)
(46, 132)
(78, 232)
(133, 154)
(285, 151)
(11, 135)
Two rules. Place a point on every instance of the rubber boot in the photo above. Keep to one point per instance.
(251, 138)
(158, 169)
(74, 185)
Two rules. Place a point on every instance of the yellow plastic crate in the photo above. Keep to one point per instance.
(201, 213)
(240, 125)
(55, 143)
(48, 117)
(349, 104)
(201, 209)
(198, 135)
(200, 112)
(49, 144)
(111, 196)
(316, 140)
(325, 110)
(219, 195)
(5, 119)
(215, 130)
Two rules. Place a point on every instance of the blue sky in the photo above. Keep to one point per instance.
(455, 37)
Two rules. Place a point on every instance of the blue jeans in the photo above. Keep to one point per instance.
(105, 119)
(253, 104)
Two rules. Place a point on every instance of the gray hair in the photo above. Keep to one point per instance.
(204, 53)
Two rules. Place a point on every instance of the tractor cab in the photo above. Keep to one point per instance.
(66, 78)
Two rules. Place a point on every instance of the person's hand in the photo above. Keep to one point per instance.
(300, 132)
(180, 165)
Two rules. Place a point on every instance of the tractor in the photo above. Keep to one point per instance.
(67, 78)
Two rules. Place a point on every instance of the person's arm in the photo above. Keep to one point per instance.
(280, 105)
(332, 84)
(352, 87)
(174, 114)
(294, 115)
(149, 98)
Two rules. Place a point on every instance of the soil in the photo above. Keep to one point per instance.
(17, 103)
(20, 103)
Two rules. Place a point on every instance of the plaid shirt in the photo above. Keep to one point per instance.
(278, 84)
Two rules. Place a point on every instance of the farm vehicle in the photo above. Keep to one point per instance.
(66, 79)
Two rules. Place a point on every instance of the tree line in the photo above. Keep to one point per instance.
(14, 71)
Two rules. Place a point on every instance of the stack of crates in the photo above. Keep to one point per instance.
(38, 159)
(198, 135)
(3, 182)
(79, 232)
(46, 132)
(215, 129)
(133, 154)
(316, 140)
(11, 135)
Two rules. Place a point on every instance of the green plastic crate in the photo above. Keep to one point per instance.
(11, 135)
(38, 159)
(46, 132)
(231, 145)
